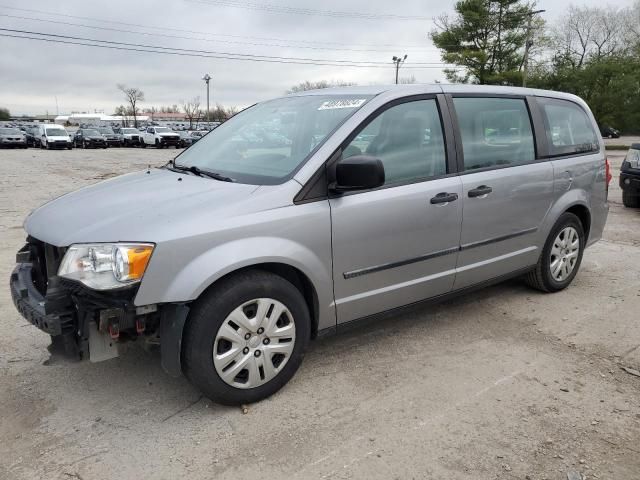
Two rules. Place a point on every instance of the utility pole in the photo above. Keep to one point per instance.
(527, 46)
(206, 79)
(398, 61)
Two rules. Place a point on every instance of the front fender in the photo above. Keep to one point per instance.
(188, 282)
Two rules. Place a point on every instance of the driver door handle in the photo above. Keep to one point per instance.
(444, 197)
(480, 191)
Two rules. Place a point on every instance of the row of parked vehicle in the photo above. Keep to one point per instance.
(49, 136)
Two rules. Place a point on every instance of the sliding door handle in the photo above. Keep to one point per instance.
(480, 191)
(444, 197)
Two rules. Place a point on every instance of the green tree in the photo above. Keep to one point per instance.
(486, 38)
(594, 54)
(4, 114)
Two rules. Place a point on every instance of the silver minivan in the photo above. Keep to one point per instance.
(306, 213)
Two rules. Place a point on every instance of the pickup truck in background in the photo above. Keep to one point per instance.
(160, 137)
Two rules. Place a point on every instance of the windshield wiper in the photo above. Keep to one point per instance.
(199, 172)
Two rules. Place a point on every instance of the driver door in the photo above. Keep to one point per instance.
(399, 243)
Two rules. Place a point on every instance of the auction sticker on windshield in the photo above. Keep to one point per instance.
(347, 103)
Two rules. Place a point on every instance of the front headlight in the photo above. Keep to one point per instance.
(105, 266)
(633, 158)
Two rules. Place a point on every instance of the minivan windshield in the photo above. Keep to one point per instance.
(106, 130)
(266, 143)
(57, 132)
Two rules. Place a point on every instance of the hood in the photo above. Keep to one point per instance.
(167, 134)
(94, 137)
(58, 137)
(138, 207)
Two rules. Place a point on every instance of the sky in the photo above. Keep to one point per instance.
(38, 77)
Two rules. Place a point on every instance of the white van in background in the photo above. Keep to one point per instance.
(53, 136)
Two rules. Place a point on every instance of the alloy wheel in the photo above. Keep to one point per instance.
(564, 254)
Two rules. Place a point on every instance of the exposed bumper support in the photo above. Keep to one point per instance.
(172, 319)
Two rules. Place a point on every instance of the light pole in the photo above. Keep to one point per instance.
(527, 47)
(206, 79)
(398, 61)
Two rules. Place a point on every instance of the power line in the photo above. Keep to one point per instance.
(155, 34)
(211, 52)
(282, 9)
(70, 40)
(309, 42)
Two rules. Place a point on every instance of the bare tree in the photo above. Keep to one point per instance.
(307, 85)
(121, 111)
(192, 110)
(407, 80)
(221, 114)
(590, 32)
(133, 96)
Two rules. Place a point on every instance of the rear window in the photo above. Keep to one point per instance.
(569, 130)
(495, 132)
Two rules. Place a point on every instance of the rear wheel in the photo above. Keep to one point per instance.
(246, 337)
(629, 200)
(561, 256)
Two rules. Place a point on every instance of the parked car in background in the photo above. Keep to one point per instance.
(12, 138)
(113, 139)
(130, 136)
(186, 139)
(54, 136)
(32, 136)
(160, 137)
(630, 177)
(609, 132)
(89, 138)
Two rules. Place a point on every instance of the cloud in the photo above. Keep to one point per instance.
(34, 73)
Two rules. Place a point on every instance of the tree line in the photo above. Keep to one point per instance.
(593, 52)
(191, 108)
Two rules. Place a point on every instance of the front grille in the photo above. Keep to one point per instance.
(45, 260)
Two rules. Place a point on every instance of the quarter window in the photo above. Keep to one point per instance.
(407, 138)
(569, 130)
(494, 131)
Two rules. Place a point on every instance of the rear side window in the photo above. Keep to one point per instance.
(494, 131)
(569, 130)
(408, 139)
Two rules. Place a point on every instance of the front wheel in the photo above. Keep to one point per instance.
(561, 256)
(629, 200)
(246, 337)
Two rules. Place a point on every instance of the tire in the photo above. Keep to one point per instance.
(210, 313)
(84, 144)
(158, 144)
(142, 144)
(629, 200)
(541, 277)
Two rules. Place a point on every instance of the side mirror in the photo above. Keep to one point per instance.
(360, 172)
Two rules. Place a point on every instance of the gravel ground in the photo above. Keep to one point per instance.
(505, 383)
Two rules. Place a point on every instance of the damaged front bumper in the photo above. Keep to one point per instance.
(90, 323)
